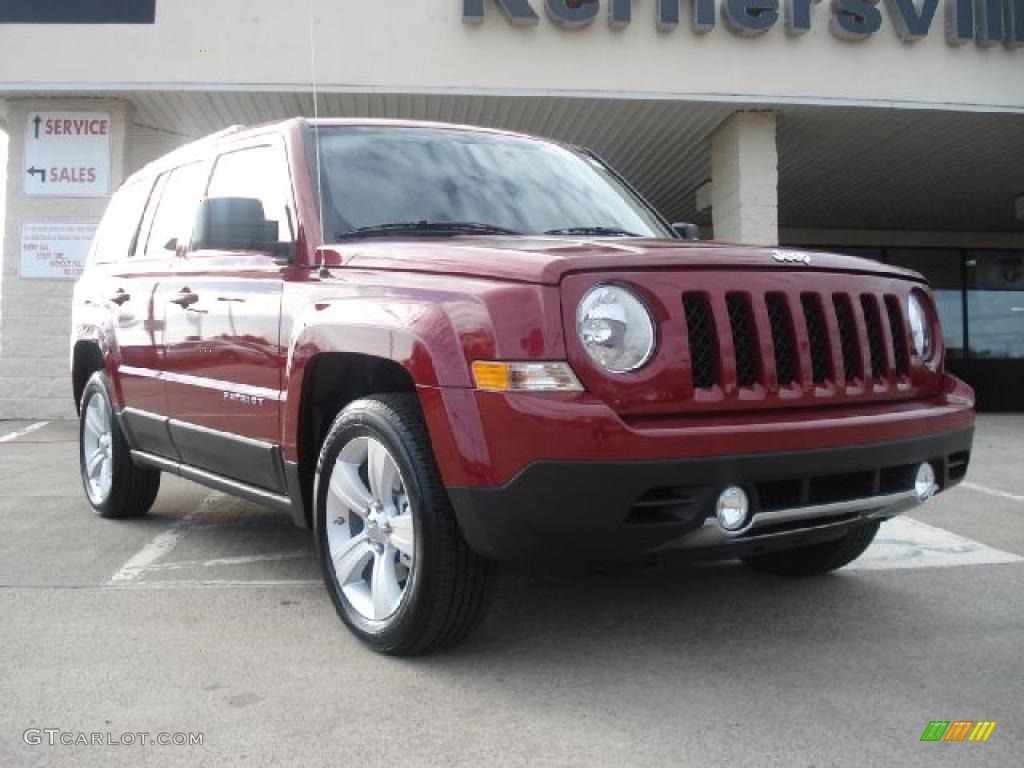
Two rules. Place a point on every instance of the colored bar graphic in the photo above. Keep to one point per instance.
(958, 730)
(983, 730)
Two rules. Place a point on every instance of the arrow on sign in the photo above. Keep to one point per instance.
(37, 120)
(41, 171)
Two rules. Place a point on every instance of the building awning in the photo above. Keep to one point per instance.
(843, 167)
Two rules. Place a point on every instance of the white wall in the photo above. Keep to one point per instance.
(424, 44)
(3, 215)
(35, 313)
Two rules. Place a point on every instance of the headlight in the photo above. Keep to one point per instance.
(615, 328)
(920, 326)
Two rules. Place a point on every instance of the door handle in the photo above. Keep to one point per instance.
(120, 297)
(185, 298)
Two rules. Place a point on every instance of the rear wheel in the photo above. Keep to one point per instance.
(114, 486)
(817, 558)
(400, 574)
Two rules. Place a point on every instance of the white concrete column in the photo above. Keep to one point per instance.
(35, 313)
(745, 180)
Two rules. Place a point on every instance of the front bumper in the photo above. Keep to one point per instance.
(605, 511)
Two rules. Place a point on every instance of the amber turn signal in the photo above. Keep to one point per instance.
(525, 377)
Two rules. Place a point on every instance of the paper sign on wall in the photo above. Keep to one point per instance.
(67, 154)
(55, 249)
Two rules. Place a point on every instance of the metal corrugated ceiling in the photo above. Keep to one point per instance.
(660, 146)
(899, 169)
(857, 168)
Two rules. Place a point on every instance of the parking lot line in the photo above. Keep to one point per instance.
(904, 542)
(240, 560)
(216, 583)
(157, 548)
(994, 492)
(22, 432)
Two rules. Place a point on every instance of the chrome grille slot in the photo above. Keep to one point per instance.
(817, 336)
(873, 325)
(899, 335)
(700, 328)
(848, 342)
(781, 321)
(744, 339)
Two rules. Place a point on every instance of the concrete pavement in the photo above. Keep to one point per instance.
(207, 616)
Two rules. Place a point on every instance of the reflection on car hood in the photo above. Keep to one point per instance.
(547, 259)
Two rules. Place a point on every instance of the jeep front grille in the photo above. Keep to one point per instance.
(833, 338)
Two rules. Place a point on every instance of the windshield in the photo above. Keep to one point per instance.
(423, 178)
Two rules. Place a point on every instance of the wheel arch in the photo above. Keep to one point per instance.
(86, 359)
(374, 344)
(331, 381)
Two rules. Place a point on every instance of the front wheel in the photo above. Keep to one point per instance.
(817, 559)
(398, 570)
(114, 486)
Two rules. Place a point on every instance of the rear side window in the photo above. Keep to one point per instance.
(257, 172)
(176, 210)
(116, 234)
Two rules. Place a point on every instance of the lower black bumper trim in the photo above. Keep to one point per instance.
(554, 511)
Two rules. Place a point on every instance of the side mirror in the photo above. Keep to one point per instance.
(235, 224)
(687, 231)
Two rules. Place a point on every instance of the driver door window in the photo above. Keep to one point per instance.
(260, 173)
(176, 211)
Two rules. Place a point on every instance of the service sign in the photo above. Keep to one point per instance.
(67, 154)
(55, 250)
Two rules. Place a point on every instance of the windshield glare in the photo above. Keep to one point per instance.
(377, 176)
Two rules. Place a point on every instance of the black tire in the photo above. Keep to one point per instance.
(817, 559)
(133, 489)
(447, 588)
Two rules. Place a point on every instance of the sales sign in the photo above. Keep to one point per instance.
(55, 249)
(67, 154)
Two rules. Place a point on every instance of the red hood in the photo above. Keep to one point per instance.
(547, 260)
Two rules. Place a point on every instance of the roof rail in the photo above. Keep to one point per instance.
(226, 132)
(192, 145)
(203, 139)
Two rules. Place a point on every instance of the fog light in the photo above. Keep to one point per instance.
(924, 484)
(733, 509)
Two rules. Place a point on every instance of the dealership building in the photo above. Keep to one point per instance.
(892, 129)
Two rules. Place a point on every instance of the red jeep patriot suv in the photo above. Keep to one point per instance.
(438, 345)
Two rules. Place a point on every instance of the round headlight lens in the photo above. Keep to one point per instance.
(920, 328)
(615, 328)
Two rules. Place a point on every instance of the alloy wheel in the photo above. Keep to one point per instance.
(371, 534)
(97, 452)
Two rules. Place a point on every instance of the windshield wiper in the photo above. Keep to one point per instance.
(436, 227)
(596, 231)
